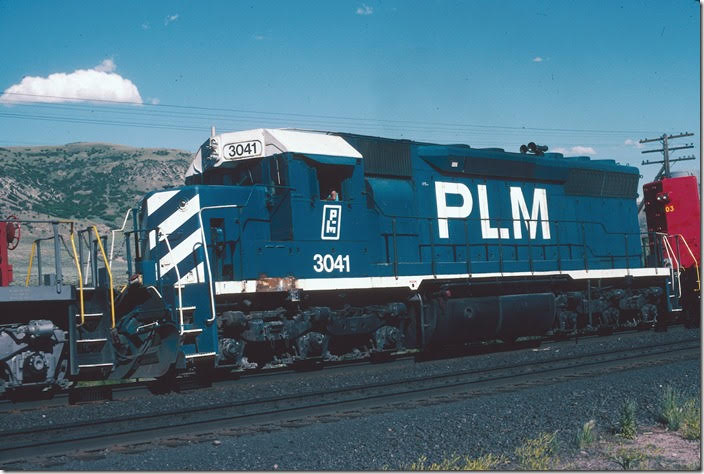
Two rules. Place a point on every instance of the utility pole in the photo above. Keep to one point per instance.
(666, 149)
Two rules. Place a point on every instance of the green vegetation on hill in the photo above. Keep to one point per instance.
(84, 181)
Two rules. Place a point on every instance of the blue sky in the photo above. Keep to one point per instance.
(584, 77)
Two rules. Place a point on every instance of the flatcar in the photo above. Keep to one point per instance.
(289, 246)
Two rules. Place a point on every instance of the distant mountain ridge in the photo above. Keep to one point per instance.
(92, 182)
(89, 183)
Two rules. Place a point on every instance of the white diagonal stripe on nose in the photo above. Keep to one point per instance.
(156, 200)
(178, 218)
(180, 252)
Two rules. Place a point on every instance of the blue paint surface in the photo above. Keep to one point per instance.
(386, 222)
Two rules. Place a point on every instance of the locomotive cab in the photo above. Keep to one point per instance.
(251, 207)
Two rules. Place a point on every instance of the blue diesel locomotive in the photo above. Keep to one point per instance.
(289, 246)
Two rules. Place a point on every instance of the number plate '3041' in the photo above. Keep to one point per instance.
(248, 149)
(328, 263)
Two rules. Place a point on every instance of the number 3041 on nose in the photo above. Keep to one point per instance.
(328, 263)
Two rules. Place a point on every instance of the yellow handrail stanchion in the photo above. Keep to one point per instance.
(107, 267)
(80, 276)
(31, 259)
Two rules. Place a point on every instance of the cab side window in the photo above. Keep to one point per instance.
(333, 182)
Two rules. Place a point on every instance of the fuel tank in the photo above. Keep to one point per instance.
(457, 320)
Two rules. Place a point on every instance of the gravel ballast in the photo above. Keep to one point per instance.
(487, 424)
(249, 388)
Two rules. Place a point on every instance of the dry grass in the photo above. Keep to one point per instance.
(539, 453)
(586, 436)
(459, 463)
(627, 425)
(691, 426)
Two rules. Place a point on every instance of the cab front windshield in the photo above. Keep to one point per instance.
(267, 171)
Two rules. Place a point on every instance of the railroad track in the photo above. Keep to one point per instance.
(188, 382)
(266, 414)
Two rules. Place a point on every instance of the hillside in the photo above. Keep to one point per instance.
(85, 181)
(91, 183)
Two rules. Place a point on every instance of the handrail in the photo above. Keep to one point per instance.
(107, 268)
(511, 220)
(37, 221)
(89, 260)
(31, 259)
(80, 277)
(178, 281)
(35, 245)
(694, 259)
(671, 258)
(205, 250)
(527, 245)
(121, 229)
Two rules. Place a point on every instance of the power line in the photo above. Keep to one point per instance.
(320, 116)
(202, 123)
(199, 129)
(308, 122)
(199, 118)
(473, 137)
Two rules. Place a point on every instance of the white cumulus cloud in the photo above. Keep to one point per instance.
(170, 19)
(365, 10)
(108, 65)
(583, 150)
(634, 143)
(537, 59)
(98, 83)
(578, 150)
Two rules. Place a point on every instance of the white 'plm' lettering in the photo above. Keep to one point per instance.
(539, 211)
(331, 223)
(332, 217)
(519, 211)
(488, 232)
(442, 189)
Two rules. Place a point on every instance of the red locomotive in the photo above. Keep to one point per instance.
(672, 210)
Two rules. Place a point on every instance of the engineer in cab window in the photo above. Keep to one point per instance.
(333, 196)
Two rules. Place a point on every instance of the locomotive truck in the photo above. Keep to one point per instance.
(288, 246)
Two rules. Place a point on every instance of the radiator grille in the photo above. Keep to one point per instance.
(599, 183)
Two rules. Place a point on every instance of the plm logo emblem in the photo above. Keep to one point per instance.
(332, 217)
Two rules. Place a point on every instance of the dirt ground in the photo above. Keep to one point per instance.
(654, 448)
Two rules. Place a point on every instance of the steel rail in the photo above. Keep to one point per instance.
(95, 434)
(188, 381)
